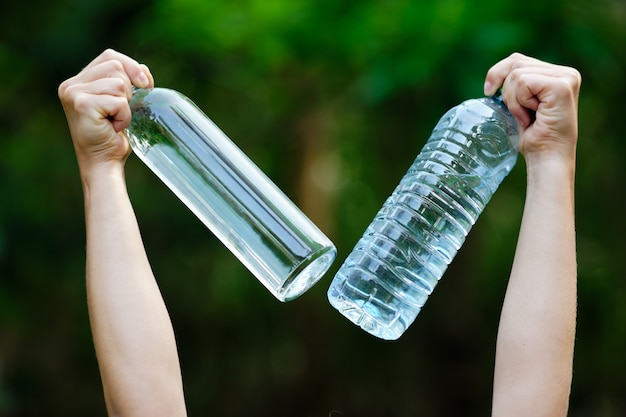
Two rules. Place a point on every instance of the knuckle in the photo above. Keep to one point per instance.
(518, 60)
(108, 53)
(81, 103)
(67, 92)
(571, 79)
(118, 85)
(576, 77)
(517, 56)
(115, 65)
(62, 89)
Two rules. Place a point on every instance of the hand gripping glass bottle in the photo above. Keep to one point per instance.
(395, 266)
(228, 192)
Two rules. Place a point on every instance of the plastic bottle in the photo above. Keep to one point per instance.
(228, 192)
(395, 266)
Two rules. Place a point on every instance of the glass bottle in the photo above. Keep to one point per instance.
(257, 222)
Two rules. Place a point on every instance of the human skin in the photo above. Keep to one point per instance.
(535, 344)
(132, 331)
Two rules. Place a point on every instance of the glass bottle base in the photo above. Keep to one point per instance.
(305, 275)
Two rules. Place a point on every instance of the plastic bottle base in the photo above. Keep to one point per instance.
(364, 316)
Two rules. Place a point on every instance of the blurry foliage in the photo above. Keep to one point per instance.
(333, 100)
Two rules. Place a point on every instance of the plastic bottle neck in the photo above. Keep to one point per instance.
(498, 96)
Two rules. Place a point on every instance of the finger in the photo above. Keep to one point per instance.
(95, 78)
(104, 108)
(111, 86)
(499, 72)
(527, 82)
(122, 118)
(139, 74)
(532, 86)
(524, 90)
(521, 113)
(532, 96)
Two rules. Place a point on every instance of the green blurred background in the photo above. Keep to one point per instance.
(333, 100)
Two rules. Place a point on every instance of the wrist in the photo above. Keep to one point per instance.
(101, 174)
(550, 168)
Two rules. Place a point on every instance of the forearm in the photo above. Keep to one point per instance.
(132, 331)
(536, 334)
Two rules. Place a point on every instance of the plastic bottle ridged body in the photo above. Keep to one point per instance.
(395, 266)
(228, 192)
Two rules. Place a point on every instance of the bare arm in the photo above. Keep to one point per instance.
(535, 346)
(132, 332)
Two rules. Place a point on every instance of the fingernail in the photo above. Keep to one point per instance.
(142, 80)
(487, 88)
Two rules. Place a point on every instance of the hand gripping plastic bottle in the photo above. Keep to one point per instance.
(395, 266)
(228, 192)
